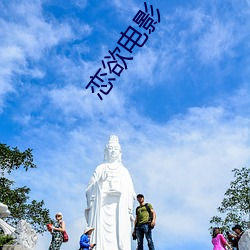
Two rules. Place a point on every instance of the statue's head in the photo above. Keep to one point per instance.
(4, 211)
(113, 150)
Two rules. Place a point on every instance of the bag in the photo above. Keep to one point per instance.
(65, 236)
(150, 219)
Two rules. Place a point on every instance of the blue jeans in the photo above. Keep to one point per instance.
(142, 230)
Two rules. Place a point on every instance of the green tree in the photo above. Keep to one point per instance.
(235, 207)
(17, 199)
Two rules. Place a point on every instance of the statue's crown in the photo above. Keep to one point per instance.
(113, 138)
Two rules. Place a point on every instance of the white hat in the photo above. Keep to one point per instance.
(87, 229)
(59, 213)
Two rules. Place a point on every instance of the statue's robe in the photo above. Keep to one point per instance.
(110, 197)
(244, 242)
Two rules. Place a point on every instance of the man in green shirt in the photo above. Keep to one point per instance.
(144, 223)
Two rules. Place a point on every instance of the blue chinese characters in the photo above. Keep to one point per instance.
(115, 63)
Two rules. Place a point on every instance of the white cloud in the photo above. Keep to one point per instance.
(25, 35)
(143, 67)
(207, 35)
(127, 9)
(198, 20)
(239, 101)
(32, 33)
(80, 3)
(82, 103)
(217, 42)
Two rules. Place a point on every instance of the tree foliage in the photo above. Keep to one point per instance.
(235, 206)
(12, 159)
(6, 239)
(17, 199)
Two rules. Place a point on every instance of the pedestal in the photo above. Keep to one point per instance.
(13, 247)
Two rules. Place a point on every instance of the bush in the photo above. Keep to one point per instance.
(6, 240)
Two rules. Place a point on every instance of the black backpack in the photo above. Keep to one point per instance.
(149, 212)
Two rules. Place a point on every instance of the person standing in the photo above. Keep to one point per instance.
(56, 231)
(85, 239)
(143, 225)
(239, 231)
(218, 240)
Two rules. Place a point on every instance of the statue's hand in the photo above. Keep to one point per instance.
(104, 176)
(90, 201)
(132, 217)
(90, 204)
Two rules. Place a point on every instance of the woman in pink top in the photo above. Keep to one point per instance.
(218, 240)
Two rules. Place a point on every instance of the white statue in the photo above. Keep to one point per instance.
(25, 235)
(4, 212)
(110, 197)
(244, 242)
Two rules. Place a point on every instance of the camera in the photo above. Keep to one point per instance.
(134, 235)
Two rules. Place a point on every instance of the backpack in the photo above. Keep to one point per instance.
(149, 212)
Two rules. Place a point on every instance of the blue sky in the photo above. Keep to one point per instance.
(181, 109)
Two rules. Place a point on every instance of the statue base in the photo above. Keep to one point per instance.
(12, 247)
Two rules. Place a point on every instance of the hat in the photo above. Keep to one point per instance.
(59, 213)
(140, 195)
(237, 227)
(87, 229)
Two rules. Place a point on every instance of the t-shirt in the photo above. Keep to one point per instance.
(219, 242)
(142, 214)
